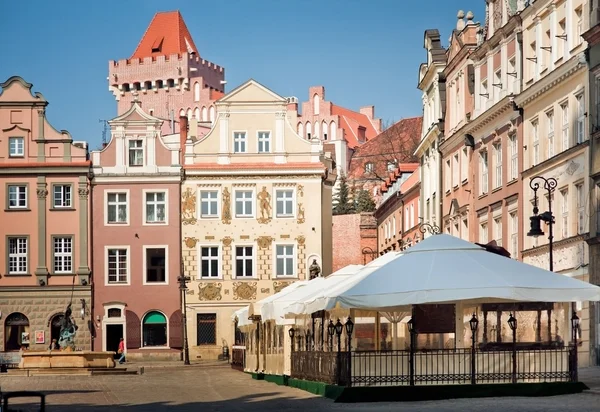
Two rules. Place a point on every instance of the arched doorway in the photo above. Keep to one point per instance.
(55, 326)
(16, 331)
(154, 329)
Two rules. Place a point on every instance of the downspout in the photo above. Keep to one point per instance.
(92, 324)
(184, 328)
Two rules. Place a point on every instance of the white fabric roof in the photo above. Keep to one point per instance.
(443, 268)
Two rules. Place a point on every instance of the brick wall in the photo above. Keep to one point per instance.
(352, 234)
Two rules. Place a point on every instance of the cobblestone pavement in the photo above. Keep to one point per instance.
(218, 388)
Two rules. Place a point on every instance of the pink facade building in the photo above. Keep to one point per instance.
(168, 75)
(137, 241)
(44, 224)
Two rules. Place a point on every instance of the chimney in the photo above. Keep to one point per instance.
(368, 111)
(460, 24)
(183, 135)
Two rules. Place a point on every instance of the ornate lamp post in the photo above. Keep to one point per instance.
(349, 329)
(512, 323)
(330, 333)
(574, 329)
(291, 332)
(308, 340)
(411, 359)
(536, 219)
(339, 328)
(429, 228)
(183, 288)
(473, 323)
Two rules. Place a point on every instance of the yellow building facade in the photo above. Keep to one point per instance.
(256, 212)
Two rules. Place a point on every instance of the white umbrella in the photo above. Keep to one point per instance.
(443, 269)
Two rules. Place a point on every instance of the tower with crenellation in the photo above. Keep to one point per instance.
(167, 75)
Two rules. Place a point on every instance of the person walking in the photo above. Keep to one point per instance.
(121, 351)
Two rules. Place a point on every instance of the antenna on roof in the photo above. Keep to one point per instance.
(104, 131)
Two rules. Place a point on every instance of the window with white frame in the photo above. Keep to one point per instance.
(18, 252)
(465, 229)
(118, 265)
(136, 152)
(156, 207)
(63, 254)
(17, 196)
(264, 142)
(284, 203)
(512, 75)
(514, 156)
(497, 86)
(239, 142)
(484, 95)
(580, 208)
(483, 233)
(412, 215)
(406, 219)
(209, 203)
(564, 203)
(579, 26)
(16, 146)
(244, 201)
(498, 165)
(536, 142)
(61, 196)
(209, 262)
(394, 226)
(514, 234)
(483, 172)
(448, 177)
(564, 110)
(580, 129)
(116, 208)
(284, 260)
(455, 172)
(498, 230)
(244, 261)
(369, 167)
(550, 122)
(464, 165)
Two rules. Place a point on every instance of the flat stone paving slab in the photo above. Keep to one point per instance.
(218, 388)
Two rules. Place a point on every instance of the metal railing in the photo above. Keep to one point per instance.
(238, 357)
(436, 367)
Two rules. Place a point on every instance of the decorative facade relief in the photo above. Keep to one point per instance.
(244, 290)
(190, 242)
(209, 291)
(226, 212)
(264, 241)
(188, 207)
(264, 202)
(278, 286)
(300, 214)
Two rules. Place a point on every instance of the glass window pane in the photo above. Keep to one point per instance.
(239, 208)
(248, 267)
(204, 251)
(204, 208)
(289, 263)
(279, 266)
(214, 268)
(239, 268)
(204, 268)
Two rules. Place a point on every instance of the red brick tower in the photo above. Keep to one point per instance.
(167, 74)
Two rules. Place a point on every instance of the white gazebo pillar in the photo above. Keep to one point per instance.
(459, 332)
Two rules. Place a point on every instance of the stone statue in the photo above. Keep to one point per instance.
(226, 215)
(67, 330)
(314, 269)
(264, 199)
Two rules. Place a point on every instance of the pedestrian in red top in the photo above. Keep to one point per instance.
(122, 351)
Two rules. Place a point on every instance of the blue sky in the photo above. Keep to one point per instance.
(363, 52)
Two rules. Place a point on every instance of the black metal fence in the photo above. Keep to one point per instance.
(437, 367)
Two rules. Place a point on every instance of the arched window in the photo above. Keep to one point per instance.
(308, 130)
(196, 92)
(316, 104)
(332, 131)
(204, 114)
(154, 329)
(197, 113)
(181, 113)
(324, 131)
(189, 114)
(212, 113)
(148, 85)
(300, 129)
(317, 129)
(16, 332)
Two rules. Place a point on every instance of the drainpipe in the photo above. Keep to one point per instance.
(90, 250)
(184, 328)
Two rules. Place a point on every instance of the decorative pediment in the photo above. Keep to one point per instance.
(17, 89)
(135, 114)
(251, 91)
(17, 127)
(454, 206)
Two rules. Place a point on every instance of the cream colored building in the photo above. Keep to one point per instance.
(556, 138)
(256, 212)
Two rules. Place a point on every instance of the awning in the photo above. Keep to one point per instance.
(154, 318)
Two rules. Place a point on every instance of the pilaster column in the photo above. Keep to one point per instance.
(41, 270)
(279, 136)
(538, 50)
(224, 138)
(569, 28)
(553, 39)
(84, 269)
(41, 154)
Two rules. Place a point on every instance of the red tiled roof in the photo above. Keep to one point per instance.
(397, 143)
(216, 94)
(166, 35)
(350, 121)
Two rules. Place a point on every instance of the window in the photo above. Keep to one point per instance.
(206, 327)
(484, 95)
(63, 255)
(391, 166)
(455, 173)
(465, 229)
(118, 265)
(498, 153)
(62, 196)
(116, 208)
(512, 75)
(514, 235)
(239, 142)
(17, 196)
(244, 261)
(412, 214)
(514, 156)
(285, 260)
(16, 147)
(483, 170)
(264, 142)
(579, 27)
(285, 203)
(564, 200)
(17, 255)
(580, 208)
(498, 230)
(244, 200)
(406, 219)
(156, 206)
(448, 177)
(564, 108)
(369, 167)
(136, 153)
(209, 203)
(580, 119)
(316, 104)
(497, 86)
(209, 262)
(156, 266)
(483, 233)
(536, 142)
(154, 329)
(550, 120)
(464, 165)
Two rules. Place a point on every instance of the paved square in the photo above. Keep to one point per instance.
(218, 388)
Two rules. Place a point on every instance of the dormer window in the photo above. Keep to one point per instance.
(136, 153)
(16, 146)
(369, 167)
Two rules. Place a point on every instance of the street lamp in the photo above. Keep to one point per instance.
(575, 328)
(349, 329)
(291, 332)
(339, 328)
(474, 322)
(308, 343)
(183, 288)
(330, 332)
(429, 228)
(512, 323)
(535, 220)
(411, 359)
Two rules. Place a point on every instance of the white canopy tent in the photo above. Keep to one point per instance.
(443, 269)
